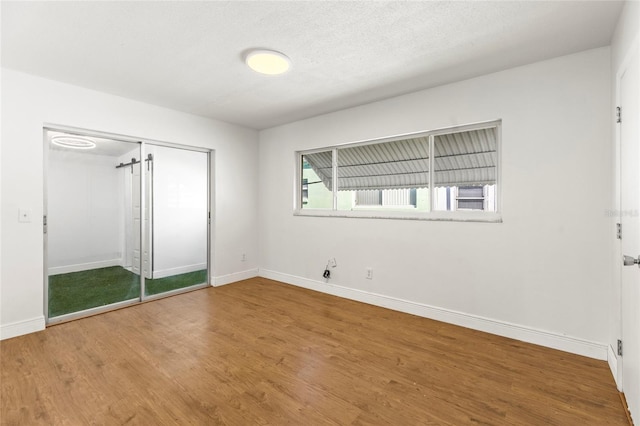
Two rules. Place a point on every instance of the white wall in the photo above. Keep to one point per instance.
(626, 35)
(28, 102)
(548, 270)
(179, 211)
(84, 202)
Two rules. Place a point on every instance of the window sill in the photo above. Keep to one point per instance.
(459, 216)
(384, 208)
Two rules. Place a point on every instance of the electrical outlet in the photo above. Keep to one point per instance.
(244, 257)
(369, 275)
(332, 262)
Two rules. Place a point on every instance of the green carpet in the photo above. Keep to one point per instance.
(160, 285)
(77, 291)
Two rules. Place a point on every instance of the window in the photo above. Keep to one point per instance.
(472, 197)
(305, 191)
(316, 190)
(442, 174)
(453, 198)
(390, 198)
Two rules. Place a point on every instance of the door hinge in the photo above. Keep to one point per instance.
(44, 223)
(619, 347)
(618, 115)
(619, 231)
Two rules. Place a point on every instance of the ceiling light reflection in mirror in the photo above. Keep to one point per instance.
(73, 142)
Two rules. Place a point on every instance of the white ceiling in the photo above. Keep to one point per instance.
(189, 55)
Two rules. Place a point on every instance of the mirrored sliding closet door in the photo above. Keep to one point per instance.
(125, 222)
(177, 200)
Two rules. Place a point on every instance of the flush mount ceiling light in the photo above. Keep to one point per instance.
(74, 142)
(268, 62)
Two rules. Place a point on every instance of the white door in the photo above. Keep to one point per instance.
(630, 220)
(146, 260)
(135, 202)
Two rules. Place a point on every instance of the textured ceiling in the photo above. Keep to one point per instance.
(189, 55)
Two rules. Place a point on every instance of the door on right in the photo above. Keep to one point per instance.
(176, 219)
(629, 90)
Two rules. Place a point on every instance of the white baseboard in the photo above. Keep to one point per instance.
(180, 270)
(236, 276)
(7, 331)
(500, 328)
(612, 360)
(56, 270)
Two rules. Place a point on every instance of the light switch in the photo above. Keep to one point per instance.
(24, 215)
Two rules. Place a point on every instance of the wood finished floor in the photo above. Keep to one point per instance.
(260, 352)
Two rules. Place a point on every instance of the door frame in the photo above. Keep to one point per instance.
(48, 127)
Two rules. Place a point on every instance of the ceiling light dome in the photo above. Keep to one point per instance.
(74, 142)
(268, 62)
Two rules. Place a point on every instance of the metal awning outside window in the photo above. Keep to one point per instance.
(460, 159)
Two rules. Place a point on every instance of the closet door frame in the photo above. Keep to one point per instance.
(50, 127)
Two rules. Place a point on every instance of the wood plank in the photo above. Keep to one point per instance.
(263, 352)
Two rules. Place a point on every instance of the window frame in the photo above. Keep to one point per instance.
(457, 215)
